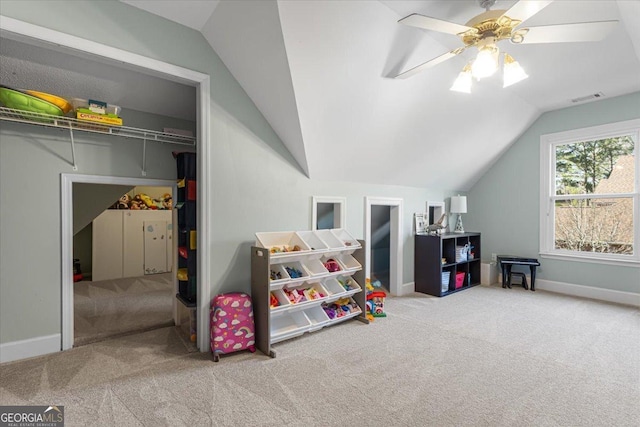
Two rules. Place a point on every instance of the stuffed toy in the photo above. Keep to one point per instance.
(123, 202)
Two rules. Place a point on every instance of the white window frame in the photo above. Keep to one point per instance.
(340, 210)
(548, 197)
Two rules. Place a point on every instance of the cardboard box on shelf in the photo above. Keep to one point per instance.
(97, 118)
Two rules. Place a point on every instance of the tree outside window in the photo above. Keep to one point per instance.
(594, 186)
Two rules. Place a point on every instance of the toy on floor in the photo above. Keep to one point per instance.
(375, 300)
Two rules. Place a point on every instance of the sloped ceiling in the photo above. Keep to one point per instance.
(320, 72)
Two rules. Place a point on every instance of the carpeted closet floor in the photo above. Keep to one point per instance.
(115, 307)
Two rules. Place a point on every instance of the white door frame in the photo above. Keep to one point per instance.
(24, 31)
(395, 250)
(66, 214)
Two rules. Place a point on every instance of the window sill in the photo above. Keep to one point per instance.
(632, 262)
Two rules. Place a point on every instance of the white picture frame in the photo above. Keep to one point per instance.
(420, 222)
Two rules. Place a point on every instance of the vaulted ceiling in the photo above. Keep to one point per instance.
(321, 73)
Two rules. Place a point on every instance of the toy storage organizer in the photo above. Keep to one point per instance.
(293, 291)
(446, 263)
(186, 230)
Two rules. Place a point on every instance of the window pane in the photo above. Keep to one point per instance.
(595, 225)
(595, 167)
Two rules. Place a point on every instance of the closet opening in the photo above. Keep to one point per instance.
(381, 245)
(378, 206)
(123, 260)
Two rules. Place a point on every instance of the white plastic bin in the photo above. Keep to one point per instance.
(350, 283)
(284, 276)
(297, 266)
(330, 239)
(326, 260)
(312, 240)
(282, 300)
(317, 318)
(347, 239)
(320, 292)
(348, 262)
(281, 242)
(446, 275)
(315, 267)
(288, 326)
(334, 287)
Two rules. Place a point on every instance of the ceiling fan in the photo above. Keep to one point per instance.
(487, 29)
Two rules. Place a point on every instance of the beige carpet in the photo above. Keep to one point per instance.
(109, 308)
(483, 357)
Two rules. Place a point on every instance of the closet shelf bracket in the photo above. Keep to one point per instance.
(73, 148)
(144, 156)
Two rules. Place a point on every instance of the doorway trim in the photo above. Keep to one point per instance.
(24, 31)
(66, 213)
(395, 249)
(342, 210)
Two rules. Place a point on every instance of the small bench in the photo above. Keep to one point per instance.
(523, 279)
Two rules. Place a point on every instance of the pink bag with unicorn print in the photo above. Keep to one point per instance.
(232, 327)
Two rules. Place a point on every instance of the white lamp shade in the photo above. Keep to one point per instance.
(459, 204)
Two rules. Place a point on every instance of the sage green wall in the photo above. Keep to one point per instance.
(255, 183)
(504, 203)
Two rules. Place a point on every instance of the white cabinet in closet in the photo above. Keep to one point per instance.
(130, 243)
(304, 281)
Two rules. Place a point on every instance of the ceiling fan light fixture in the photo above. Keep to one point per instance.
(513, 72)
(463, 82)
(486, 63)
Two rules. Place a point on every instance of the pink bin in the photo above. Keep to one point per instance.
(459, 280)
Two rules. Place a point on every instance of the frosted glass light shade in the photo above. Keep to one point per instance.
(513, 72)
(463, 82)
(458, 204)
(486, 62)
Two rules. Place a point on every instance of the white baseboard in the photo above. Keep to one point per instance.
(32, 347)
(407, 288)
(619, 297)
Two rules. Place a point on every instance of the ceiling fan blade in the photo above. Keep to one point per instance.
(431, 63)
(525, 9)
(428, 23)
(565, 33)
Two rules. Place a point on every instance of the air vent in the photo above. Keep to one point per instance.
(588, 97)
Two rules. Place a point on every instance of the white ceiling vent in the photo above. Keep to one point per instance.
(588, 97)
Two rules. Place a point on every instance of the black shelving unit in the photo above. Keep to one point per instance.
(435, 255)
(187, 236)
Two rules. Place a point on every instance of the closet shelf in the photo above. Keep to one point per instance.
(69, 123)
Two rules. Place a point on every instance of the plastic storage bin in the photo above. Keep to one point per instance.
(314, 241)
(281, 243)
(459, 280)
(347, 239)
(445, 280)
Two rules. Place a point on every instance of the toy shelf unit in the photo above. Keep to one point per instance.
(447, 263)
(304, 281)
(186, 231)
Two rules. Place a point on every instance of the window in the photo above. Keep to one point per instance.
(589, 193)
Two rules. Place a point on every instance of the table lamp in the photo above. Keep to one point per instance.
(459, 206)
